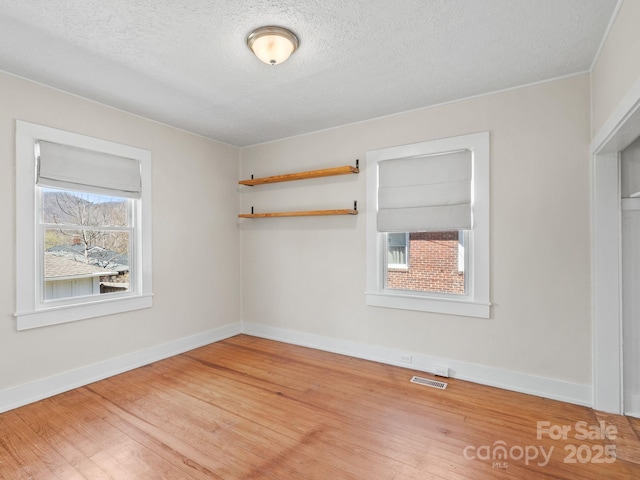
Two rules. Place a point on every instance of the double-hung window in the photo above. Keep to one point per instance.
(428, 226)
(83, 218)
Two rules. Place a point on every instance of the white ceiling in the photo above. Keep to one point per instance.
(185, 62)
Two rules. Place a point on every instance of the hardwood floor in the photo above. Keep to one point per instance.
(249, 408)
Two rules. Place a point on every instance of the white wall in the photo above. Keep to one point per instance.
(307, 275)
(195, 242)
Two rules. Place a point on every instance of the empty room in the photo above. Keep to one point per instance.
(320, 240)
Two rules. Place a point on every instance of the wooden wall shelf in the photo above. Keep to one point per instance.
(325, 172)
(307, 213)
(304, 213)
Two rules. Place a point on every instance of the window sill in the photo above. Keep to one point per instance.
(465, 308)
(69, 313)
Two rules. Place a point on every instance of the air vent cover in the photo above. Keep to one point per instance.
(429, 383)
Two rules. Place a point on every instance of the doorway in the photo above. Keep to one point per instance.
(619, 132)
(630, 224)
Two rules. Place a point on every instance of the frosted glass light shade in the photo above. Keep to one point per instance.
(272, 45)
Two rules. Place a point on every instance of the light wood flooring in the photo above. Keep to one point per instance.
(249, 408)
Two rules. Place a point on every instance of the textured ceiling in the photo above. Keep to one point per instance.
(186, 63)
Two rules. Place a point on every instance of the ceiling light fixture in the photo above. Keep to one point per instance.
(272, 45)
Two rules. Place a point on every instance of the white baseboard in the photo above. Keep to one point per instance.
(20, 395)
(495, 377)
(632, 405)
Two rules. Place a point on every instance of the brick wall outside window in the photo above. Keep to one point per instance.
(433, 265)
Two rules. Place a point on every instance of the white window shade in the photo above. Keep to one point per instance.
(74, 168)
(426, 193)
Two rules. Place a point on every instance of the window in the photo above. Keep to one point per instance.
(434, 263)
(428, 226)
(83, 227)
(85, 243)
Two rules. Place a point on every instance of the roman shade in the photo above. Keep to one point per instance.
(425, 194)
(74, 168)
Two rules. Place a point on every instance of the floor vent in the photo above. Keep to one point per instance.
(429, 383)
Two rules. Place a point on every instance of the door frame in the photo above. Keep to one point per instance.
(622, 128)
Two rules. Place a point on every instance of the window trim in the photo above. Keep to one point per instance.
(31, 311)
(476, 303)
(462, 246)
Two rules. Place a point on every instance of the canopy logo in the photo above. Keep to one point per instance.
(500, 453)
